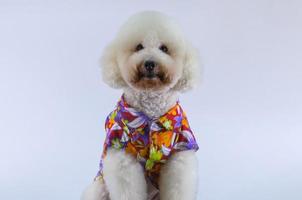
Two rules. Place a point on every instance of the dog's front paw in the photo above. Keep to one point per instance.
(96, 191)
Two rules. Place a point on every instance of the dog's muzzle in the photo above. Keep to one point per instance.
(149, 68)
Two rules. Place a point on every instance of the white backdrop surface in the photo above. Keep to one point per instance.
(247, 114)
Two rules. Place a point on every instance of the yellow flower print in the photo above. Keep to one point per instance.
(162, 119)
(116, 143)
(155, 154)
(166, 123)
(113, 115)
(149, 164)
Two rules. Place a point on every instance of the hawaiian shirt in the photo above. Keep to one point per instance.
(150, 140)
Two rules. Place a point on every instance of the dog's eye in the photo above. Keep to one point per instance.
(139, 47)
(164, 48)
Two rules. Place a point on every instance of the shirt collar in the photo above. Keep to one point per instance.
(134, 119)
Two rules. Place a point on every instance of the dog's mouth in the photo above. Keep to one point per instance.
(155, 79)
(151, 76)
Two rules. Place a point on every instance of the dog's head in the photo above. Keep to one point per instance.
(150, 53)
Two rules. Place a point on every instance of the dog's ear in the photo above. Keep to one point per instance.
(191, 70)
(110, 71)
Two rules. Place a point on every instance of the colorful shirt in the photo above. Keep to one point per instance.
(150, 141)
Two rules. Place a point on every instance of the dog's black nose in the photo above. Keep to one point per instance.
(149, 65)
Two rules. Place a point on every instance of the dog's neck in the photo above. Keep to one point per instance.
(153, 104)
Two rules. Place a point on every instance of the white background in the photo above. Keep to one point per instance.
(246, 115)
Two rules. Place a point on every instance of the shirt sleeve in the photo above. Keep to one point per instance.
(185, 139)
(112, 140)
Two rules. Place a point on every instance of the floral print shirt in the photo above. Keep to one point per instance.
(150, 141)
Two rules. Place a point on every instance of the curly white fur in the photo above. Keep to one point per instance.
(96, 191)
(151, 28)
(124, 177)
(120, 62)
(153, 104)
(178, 177)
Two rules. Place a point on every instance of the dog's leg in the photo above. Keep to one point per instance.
(96, 191)
(124, 177)
(178, 177)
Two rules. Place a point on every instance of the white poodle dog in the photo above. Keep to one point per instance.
(149, 151)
